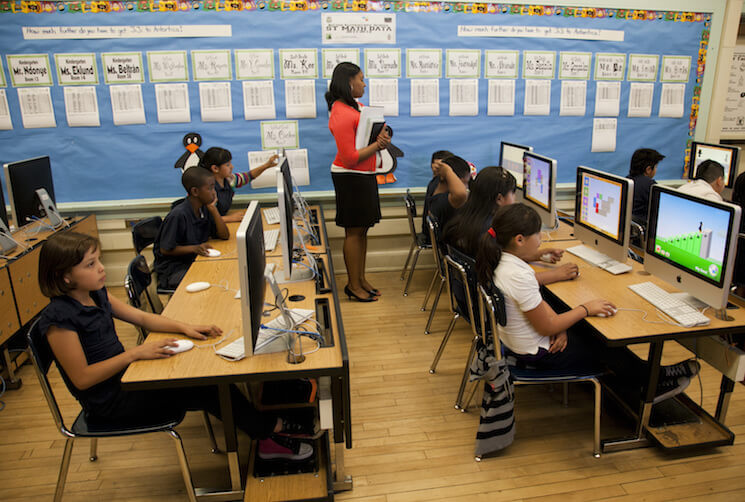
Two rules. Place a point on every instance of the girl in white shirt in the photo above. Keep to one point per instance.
(535, 333)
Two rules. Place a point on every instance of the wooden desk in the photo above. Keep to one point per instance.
(565, 232)
(626, 328)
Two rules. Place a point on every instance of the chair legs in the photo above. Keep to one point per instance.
(411, 271)
(596, 427)
(184, 463)
(429, 291)
(434, 307)
(408, 258)
(464, 380)
(63, 468)
(210, 432)
(444, 342)
(93, 455)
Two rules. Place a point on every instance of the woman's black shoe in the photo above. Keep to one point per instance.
(373, 291)
(351, 296)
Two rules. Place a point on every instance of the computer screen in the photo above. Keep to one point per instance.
(251, 264)
(691, 243)
(298, 201)
(286, 232)
(511, 158)
(22, 179)
(726, 155)
(539, 186)
(602, 212)
(3, 211)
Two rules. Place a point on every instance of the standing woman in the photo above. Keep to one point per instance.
(353, 174)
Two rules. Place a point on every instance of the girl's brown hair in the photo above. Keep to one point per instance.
(58, 255)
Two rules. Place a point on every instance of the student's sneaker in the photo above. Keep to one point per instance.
(277, 447)
(689, 368)
(670, 387)
(298, 430)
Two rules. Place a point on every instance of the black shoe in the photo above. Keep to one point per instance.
(298, 430)
(670, 387)
(689, 368)
(373, 291)
(351, 295)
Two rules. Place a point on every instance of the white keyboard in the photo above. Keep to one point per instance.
(271, 215)
(236, 350)
(678, 310)
(270, 239)
(599, 260)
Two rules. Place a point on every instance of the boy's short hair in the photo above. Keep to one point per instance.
(709, 171)
(642, 159)
(57, 256)
(441, 154)
(195, 178)
(460, 166)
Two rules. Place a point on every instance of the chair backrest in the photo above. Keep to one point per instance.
(42, 358)
(493, 312)
(460, 270)
(177, 202)
(410, 204)
(434, 236)
(145, 231)
(141, 284)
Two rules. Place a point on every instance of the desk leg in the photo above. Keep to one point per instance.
(340, 403)
(639, 440)
(231, 440)
(725, 392)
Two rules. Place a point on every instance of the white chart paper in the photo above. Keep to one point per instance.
(463, 63)
(122, 68)
(256, 64)
(640, 99)
(126, 104)
(258, 100)
(501, 64)
(573, 98)
(537, 97)
(269, 177)
(464, 97)
(167, 66)
(671, 102)
(298, 63)
(383, 63)
(298, 160)
(607, 99)
(675, 68)
(643, 67)
(610, 66)
(76, 69)
(604, 135)
(279, 134)
(383, 92)
(539, 64)
(211, 65)
(215, 102)
(300, 99)
(29, 70)
(81, 107)
(6, 123)
(424, 63)
(332, 57)
(575, 65)
(501, 97)
(172, 102)
(425, 97)
(36, 107)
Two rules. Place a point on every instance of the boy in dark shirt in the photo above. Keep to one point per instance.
(431, 186)
(187, 228)
(642, 170)
(451, 193)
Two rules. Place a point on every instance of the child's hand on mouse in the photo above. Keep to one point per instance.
(201, 331)
(599, 306)
(203, 249)
(154, 350)
(568, 271)
(554, 254)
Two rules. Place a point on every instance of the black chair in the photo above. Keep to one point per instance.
(41, 355)
(492, 312)
(418, 240)
(145, 231)
(434, 233)
(177, 202)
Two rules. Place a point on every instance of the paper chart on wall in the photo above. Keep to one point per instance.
(122, 68)
(501, 64)
(640, 99)
(610, 66)
(425, 97)
(464, 97)
(573, 98)
(539, 64)
(36, 107)
(424, 63)
(607, 99)
(269, 177)
(258, 100)
(537, 97)
(76, 69)
(332, 57)
(167, 66)
(6, 123)
(675, 68)
(501, 98)
(575, 65)
(604, 135)
(383, 63)
(298, 63)
(298, 160)
(671, 100)
(463, 63)
(81, 107)
(215, 102)
(384, 93)
(279, 134)
(29, 70)
(172, 103)
(643, 67)
(300, 99)
(254, 64)
(126, 104)
(211, 65)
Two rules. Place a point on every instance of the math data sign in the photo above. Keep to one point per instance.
(358, 29)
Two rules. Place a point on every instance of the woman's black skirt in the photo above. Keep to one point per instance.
(357, 202)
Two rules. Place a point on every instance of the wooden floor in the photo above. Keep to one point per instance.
(409, 442)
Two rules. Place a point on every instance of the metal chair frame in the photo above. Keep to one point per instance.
(434, 232)
(417, 242)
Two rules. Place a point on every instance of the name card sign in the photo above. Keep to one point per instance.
(167, 66)
(501, 64)
(298, 63)
(610, 66)
(76, 69)
(254, 64)
(675, 69)
(28, 70)
(424, 63)
(643, 67)
(539, 64)
(211, 65)
(463, 63)
(122, 68)
(575, 65)
(358, 29)
(383, 63)
(332, 57)
(278, 134)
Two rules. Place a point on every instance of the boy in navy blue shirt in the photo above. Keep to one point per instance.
(431, 187)
(187, 228)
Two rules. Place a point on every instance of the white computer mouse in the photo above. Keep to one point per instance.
(181, 346)
(547, 257)
(213, 253)
(197, 286)
(603, 314)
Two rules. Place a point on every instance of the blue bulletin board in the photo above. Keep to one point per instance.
(119, 162)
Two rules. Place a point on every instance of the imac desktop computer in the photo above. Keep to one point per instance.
(692, 243)
(602, 216)
(511, 158)
(726, 155)
(23, 179)
(539, 187)
(251, 265)
(292, 271)
(302, 212)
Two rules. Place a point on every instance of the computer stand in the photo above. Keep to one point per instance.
(298, 274)
(721, 314)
